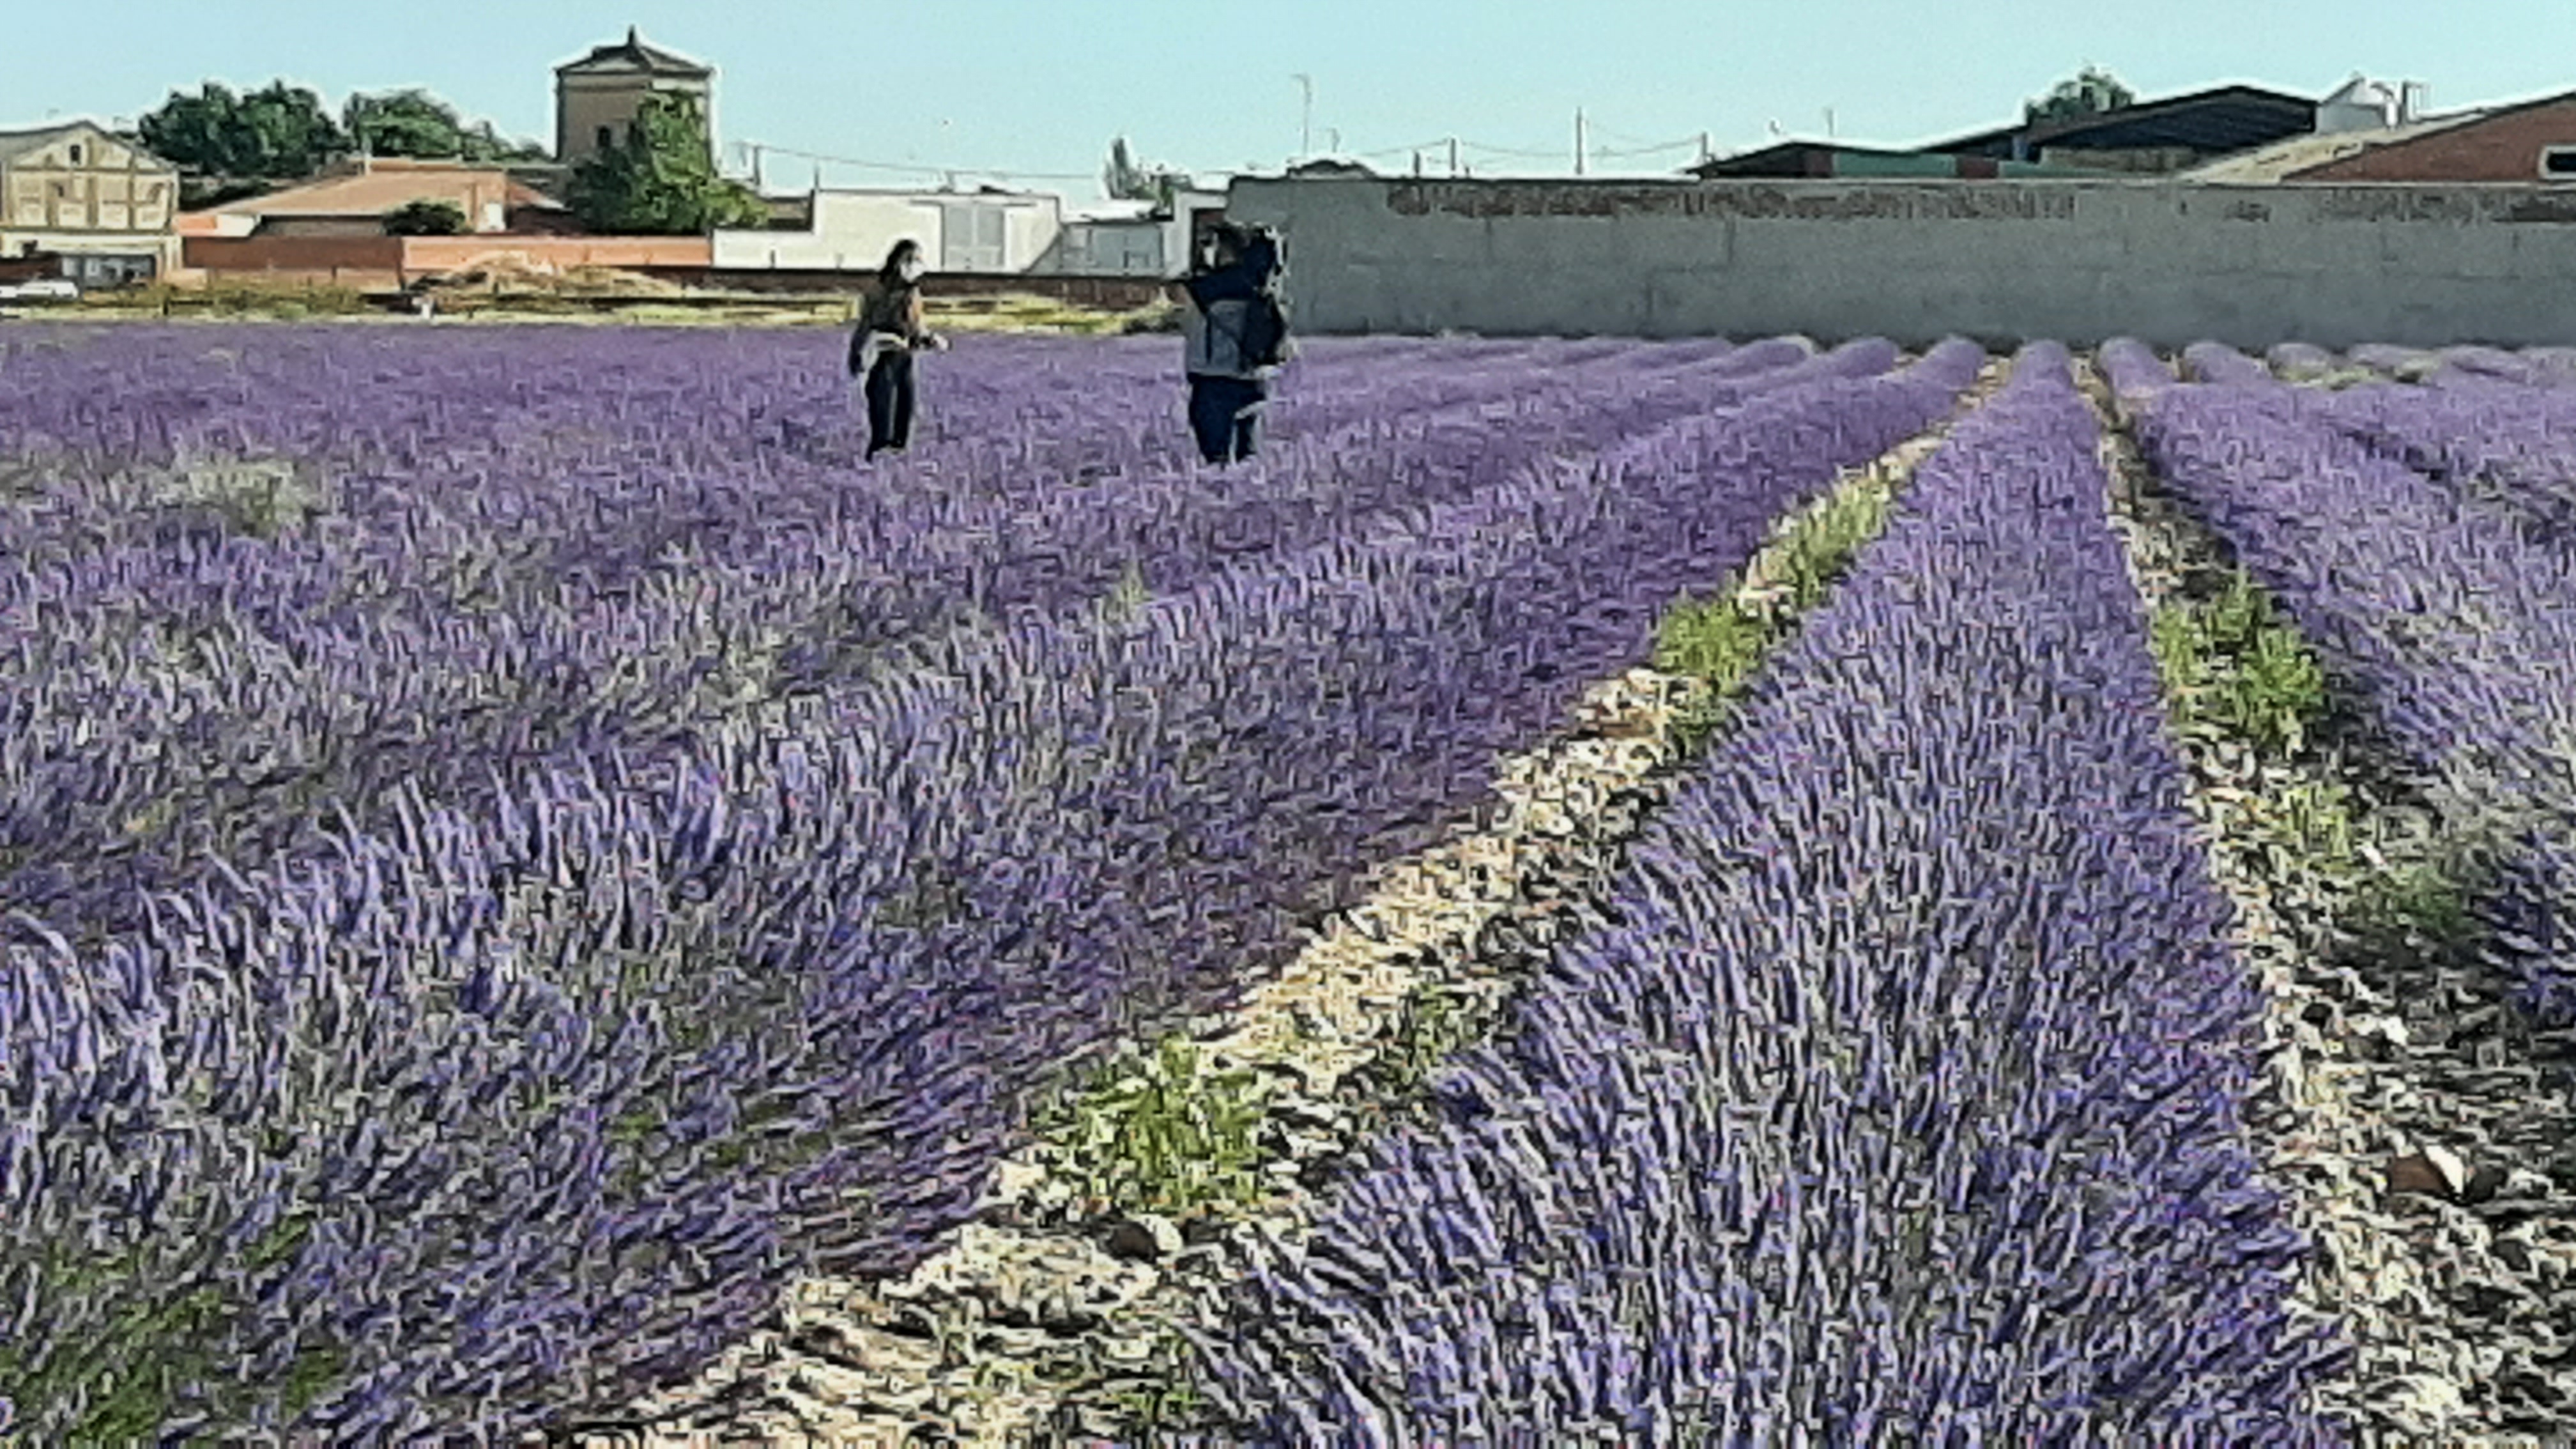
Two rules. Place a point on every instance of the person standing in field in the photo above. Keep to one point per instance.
(890, 331)
(1234, 334)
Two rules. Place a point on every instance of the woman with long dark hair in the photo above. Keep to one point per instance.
(890, 331)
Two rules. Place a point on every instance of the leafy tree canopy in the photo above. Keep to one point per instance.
(425, 218)
(1125, 180)
(277, 133)
(416, 123)
(2091, 92)
(661, 181)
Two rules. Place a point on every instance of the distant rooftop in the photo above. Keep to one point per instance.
(18, 140)
(387, 186)
(2219, 119)
(633, 54)
(2281, 159)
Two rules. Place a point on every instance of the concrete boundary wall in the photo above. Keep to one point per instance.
(2079, 261)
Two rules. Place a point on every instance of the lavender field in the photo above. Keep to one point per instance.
(516, 849)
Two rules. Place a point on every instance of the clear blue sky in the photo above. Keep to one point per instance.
(1036, 88)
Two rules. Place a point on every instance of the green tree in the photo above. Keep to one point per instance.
(662, 181)
(2090, 93)
(425, 218)
(277, 133)
(1125, 180)
(415, 123)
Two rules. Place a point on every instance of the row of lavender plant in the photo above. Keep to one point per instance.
(2453, 630)
(613, 517)
(506, 400)
(252, 717)
(1895, 1096)
(2507, 445)
(427, 418)
(558, 1098)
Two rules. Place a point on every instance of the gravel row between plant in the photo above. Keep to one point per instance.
(2458, 1285)
(1047, 1318)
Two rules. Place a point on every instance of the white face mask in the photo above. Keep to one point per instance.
(910, 271)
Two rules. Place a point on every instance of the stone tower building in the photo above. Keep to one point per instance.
(597, 96)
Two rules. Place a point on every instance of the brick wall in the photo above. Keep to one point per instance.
(396, 258)
(298, 254)
(442, 253)
(2500, 148)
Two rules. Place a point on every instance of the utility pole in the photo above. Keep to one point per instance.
(1705, 154)
(1453, 157)
(1578, 140)
(1829, 123)
(1305, 115)
(755, 165)
(1417, 165)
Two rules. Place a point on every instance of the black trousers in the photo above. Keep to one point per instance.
(889, 390)
(1226, 416)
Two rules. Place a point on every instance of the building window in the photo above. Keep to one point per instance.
(606, 138)
(2558, 163)
(76, 153)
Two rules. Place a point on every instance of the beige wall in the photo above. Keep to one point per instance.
(111, 187)
(2167, 262)
(585, 103)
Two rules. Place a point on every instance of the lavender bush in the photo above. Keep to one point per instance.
(2453, 629)
(255, 721)
(501, 1110)
(1895, 1097)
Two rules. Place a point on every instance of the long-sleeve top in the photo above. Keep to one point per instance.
(895, 309)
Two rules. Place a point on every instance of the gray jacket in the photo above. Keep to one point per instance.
(1210, 345)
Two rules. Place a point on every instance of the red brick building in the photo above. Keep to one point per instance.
(2526, 144)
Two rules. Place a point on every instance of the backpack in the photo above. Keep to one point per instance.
(1265, 330)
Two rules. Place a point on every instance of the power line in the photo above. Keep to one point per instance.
(1449, 144)
(912, 169)
(1511, 151)
(1686, 143)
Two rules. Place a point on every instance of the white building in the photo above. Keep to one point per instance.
(2362, 104)
(987, 232)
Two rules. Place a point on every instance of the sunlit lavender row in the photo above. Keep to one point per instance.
(406, 1130)
(1896, 1097)
(516, 637)
(2444, 598)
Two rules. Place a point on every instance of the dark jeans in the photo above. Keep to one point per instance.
(1225, 415)
(890, 401)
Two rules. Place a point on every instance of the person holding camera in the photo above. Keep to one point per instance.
(1234, 333)
(890, 331)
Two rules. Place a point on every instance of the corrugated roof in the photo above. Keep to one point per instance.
(2272, 163)
(2221, 118)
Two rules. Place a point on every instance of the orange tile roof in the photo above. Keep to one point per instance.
(382, 190)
